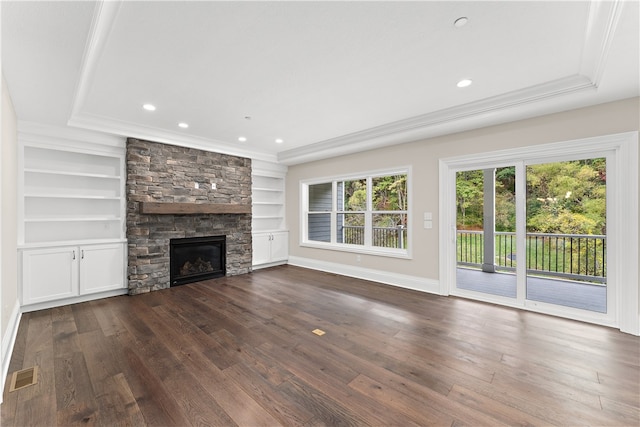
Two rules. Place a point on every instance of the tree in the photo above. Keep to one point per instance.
(505, 215)
(562, 197)
(469, 194)
(567, 197)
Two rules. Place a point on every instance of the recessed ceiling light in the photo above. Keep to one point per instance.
(279, 141)
(183, 125)
(460, 22)
(464, 83)
(242, 139)
(149, 107)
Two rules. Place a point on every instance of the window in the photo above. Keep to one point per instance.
(366, 213)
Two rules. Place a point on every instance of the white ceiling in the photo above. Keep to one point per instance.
(326, 77)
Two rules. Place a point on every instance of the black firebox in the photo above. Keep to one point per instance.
(197, 258)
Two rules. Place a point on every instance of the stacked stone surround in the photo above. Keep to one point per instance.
(166, 173)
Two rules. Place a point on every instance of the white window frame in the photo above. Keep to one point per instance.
(367, 248)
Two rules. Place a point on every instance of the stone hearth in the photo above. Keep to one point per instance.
(168, 174)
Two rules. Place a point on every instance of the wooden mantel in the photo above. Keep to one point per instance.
(160, 208)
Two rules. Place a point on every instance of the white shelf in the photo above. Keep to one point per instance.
(268, 201)
(71, 243)
(71, 219)
(66, 173)
(70, 161)
(70, 194)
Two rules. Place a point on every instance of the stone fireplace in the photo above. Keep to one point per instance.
(184, 193)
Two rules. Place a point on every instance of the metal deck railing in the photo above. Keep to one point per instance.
(570, 256)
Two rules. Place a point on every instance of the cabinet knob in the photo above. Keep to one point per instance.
(82, 254)
(74, 254)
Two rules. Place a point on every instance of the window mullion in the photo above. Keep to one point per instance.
(368, 217)
(334, 212)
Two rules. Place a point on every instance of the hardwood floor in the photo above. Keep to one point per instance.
(240, 351)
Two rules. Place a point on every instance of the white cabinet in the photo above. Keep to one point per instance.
(101, 268)
(270, 248)
(49, 274)
(55, 273)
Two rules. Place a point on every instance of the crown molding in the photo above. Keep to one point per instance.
(104, 17)
(260, 167)
(601, 26)
(62, 135)
(126, 129)
(511, 106)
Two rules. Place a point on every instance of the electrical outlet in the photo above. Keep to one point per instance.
(213, 186)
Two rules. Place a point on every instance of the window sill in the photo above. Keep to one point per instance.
(385, 252)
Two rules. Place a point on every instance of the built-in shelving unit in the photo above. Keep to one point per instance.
(267, 194)
(269, 227)
(268, 203)
(71, 227)
(71, 196)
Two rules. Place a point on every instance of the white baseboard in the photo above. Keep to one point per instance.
(394, 279)
(269, 264)
(74, 300)
(8, 341)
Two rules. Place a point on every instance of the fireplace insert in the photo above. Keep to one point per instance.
(197, 258)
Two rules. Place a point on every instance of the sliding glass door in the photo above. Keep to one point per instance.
(534, 234)
(566, 238)
(486, 249)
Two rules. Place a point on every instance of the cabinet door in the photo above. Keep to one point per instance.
(101, 268)
(279, 246)
(261, 248)
(49, 274)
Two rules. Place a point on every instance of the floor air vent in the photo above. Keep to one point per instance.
(24, 378)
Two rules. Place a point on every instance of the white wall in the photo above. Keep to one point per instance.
(423, 156)
(9, 303)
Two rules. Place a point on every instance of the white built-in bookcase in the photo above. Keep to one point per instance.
(71, 196)
(269, 228)
(71, 216)
(268, 203)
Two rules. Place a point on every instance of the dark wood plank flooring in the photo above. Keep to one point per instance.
(240, 351)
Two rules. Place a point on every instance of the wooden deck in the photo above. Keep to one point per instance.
(240, 351)
(568, 293)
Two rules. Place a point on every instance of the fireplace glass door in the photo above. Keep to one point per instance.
(196, 259)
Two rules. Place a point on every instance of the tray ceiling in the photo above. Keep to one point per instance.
(327, 78)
